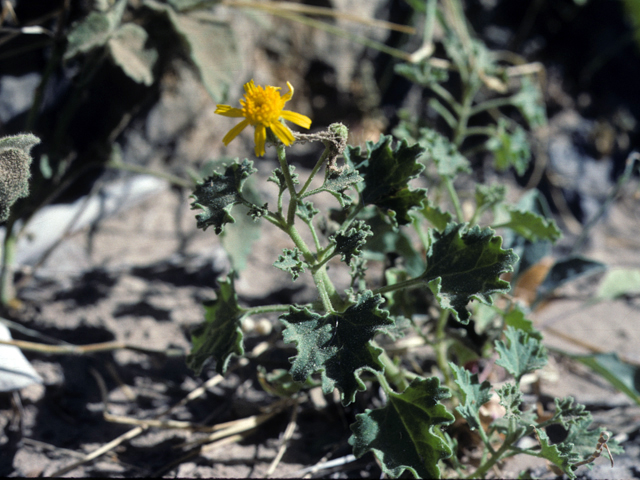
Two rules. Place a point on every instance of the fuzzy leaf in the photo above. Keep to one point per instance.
(306, 211)
(277, 177)
(516, 318)
(15, 169)
(521, 354)
(488, 196)
(510, 398)
(219, 193)
(336, 181)
(349, 243)
(511, 149)
(569, 414)
(530, 103)
(422, 73)
(94, 30)
(401, 434)
(463, 264)
(560, 454)
(475, 394)
(386, 173)
(532, 226)
(127, 48)
(338, 344)
(220, 335)
(449, 161)
(291, 261)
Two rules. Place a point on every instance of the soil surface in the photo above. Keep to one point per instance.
(134, 274)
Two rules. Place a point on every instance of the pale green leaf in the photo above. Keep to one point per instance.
(94, 30)
(522, 353)
(618, 283)
(532, 226)
(474, 395)
(127, 48)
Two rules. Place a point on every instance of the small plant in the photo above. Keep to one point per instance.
(340, 338)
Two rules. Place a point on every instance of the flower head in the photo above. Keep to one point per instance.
(262, 108)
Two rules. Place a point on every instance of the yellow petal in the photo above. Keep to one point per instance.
(233, 133)
(228, 111)
(260, 137)
(249, 86)
(283, 133)
(297, 118)
(287, 96)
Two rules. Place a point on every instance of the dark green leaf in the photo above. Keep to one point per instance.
(570, 414)
(386, 173)
(474, 393)
(466, 263)
(337, 344)
(521, 354)
(348, 243)
(401, 434)
(218, 193)
(220, 335)
(291, 261)
(337, 181)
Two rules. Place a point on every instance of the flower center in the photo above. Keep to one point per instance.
(262, 106)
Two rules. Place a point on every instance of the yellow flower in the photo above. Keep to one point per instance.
(262, 108)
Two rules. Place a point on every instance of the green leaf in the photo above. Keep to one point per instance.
(511, 149)
(583, 441)
(560, 454)
(475, 394)
(211, 45)
(530, 102)
(291, 261)
(402, 434)
(449, 161)
(278, 382)
(532, 226)
(618, 283)
(348, 243)
(336, 181)
(511, 399)
(569, 414)
(94, 30)
(277, 177)
(336, 344)
(220, 335)
(621, 375)
(306, 211)
(516, 318)
(567, 270)
(488, 196)
(463, 264)
(422, 73)
(15, 169)
(436, 216)
(386, 173)
(219, 193)
(127, 49)
(521, 354)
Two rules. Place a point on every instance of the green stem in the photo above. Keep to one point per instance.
(392, 372)
(321, 160)
(448, 183)
(447, 97)
(293, 201)
(413, 282)
(441, 346)
(491, 104)
(8, 257)
(485, 467)
(266, 309)
(323, 291)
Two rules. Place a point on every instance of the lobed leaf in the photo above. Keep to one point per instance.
(522, 353)
(386, 173)
(337, 344)
(127, 49)
(559, 454)
(436, 216)
(94, 30)
(511, 149)
(15, 169)
(532, 226)
(291, 261)
(463, 264)
(220, 335)
(475, 394)
(449, 161)
(569, 414)
(348, 243)
(219, 193)
(337, 181)
(401, 434)
(530, 102)
(511, 399)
